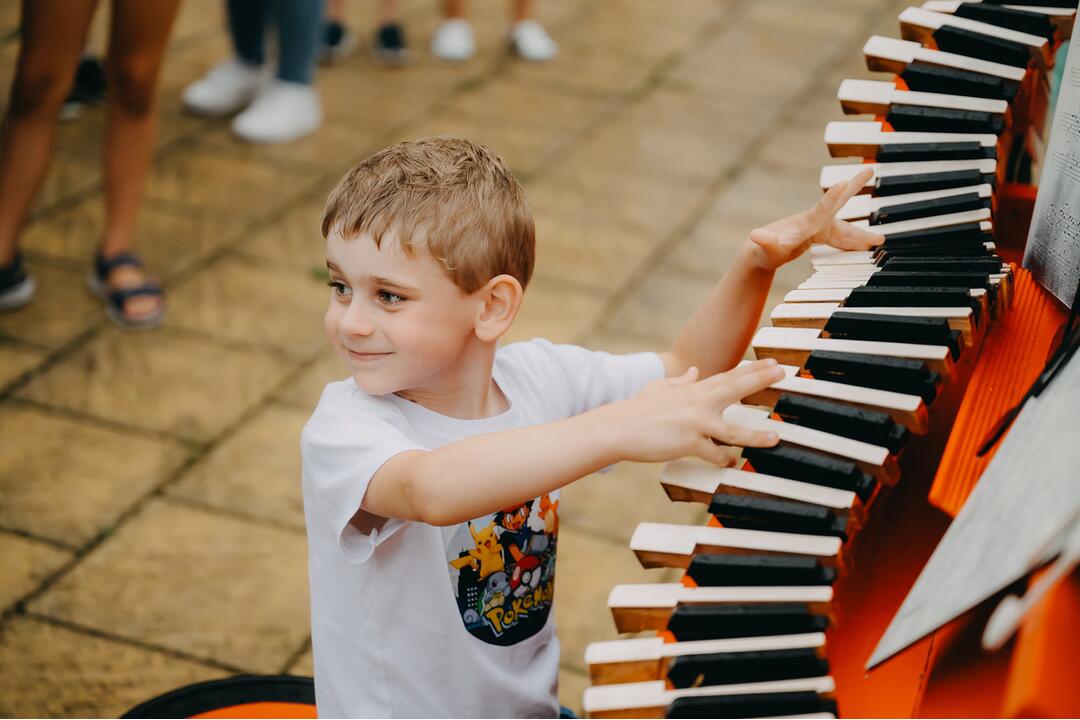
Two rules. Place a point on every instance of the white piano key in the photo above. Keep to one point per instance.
(624, 697)
(769, 340)
(832, 174)
(654, 648)
(839, 295)
(849, 136)
(877, 96)
(704, 479)
(1063, 18)
(892, 55)
(668, 595)
(915, 20)
(863, 206)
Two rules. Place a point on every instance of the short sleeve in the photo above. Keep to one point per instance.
(591, 378)
(348, 438)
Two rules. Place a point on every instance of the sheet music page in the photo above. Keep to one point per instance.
(1029, 493)
(1053, 246)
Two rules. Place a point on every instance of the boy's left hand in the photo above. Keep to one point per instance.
(784, 240)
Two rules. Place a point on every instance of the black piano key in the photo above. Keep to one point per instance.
(991, 264)
(885, 296)
(796, 463)
(751, 706)
(757, 513)
(929, 208)
(902, 375)
(935, 278)
(921, 182)
(964, 232)
(1035, 3)
(924, 77)
(918, 151)
(716, 622)
(918, 118)
(728, 668)
(871, 426)
(974, 44)
(923, 250)
(895, 328)
(730, 570)
(1023, 21)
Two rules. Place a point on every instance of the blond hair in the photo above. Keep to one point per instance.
(450, 195)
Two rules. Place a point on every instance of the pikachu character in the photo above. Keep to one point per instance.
(487, 557)
(549, 513)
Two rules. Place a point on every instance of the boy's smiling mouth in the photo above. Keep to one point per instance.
(366, 356)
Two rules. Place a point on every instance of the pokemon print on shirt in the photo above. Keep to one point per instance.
(502, 568)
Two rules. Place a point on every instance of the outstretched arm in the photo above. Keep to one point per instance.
(672, 418)
(717, 334)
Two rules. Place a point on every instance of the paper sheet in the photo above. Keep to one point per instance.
(1053, 246)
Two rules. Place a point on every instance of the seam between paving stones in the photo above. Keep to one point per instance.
(734, 169)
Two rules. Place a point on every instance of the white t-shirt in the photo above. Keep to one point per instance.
(414, 620)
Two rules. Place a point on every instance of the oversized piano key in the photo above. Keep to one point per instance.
(894, 328)
(1043, 20)
(792, 346)
(873, 459)
(776, 698)
(869, 140)
(897, 178)
(670, 545)
(869, 426)
(648, 658)
(903, 375)
(710, 622)
(696, 481)
(649, 606)
(755, 513)
(934, 226)
(813, 467)
(907, 110)
(976, 39)
(720, 569)
(925, 69)
(878, 210)
(909, 410)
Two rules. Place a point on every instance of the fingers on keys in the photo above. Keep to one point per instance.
(846, 236)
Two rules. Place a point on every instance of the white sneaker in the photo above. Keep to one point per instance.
(453, 40)
(282, 112)
(530, 41)
(228, 87)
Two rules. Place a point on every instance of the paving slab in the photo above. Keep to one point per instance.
(159, 380)
(303, 391)
(69, 480)
(62, 308)
(169, 240)
(244, 299)
(293, 239)
(169, 577)
(26, 563)
(589, 249)
(660, 305)
(52, 671)
(16, 360)
(255, 471)
(556, 311)
(572, 684)
(612, 504)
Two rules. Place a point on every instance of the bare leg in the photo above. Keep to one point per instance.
(453, 9)
(139, 33)
(335, 11)
(53, 35)
(520, 10)
(388, 11)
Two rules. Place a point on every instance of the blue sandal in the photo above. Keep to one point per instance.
(115, 299)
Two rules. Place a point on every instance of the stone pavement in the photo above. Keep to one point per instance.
(150, 518)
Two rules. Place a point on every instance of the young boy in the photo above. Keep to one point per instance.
(431, 476)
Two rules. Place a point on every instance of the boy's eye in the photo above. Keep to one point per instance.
(340, 289)
(388, 298)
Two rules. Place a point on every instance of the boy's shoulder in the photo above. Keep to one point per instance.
(343, 403)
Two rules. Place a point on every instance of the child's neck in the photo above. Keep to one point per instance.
(464, 390)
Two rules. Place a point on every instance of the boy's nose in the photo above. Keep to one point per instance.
(357, 321)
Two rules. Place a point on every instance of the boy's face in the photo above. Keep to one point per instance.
(399, 321)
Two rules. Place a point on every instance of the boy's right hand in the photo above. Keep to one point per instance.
(683, 416)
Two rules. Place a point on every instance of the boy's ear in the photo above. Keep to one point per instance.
(500, 297)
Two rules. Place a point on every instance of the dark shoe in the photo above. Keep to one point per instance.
(389, 46)
(88, 88)
(16, 287)
(336, 44)
(116, 298)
